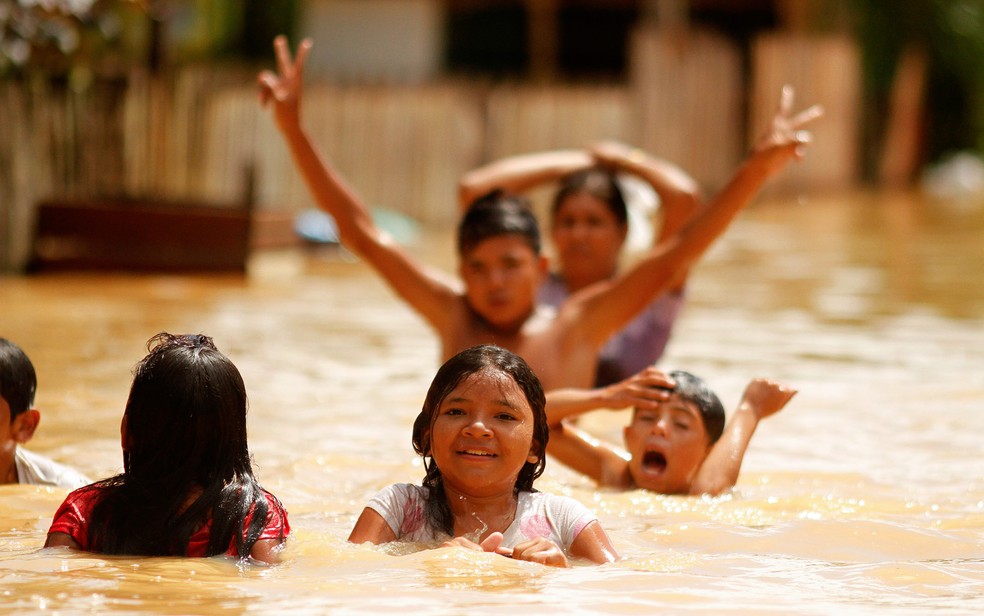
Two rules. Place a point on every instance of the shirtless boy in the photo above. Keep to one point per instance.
(502, 272)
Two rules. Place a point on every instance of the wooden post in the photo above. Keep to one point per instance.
(901, 150)
(542, 38)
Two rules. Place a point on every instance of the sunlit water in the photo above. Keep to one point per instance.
(866, 494)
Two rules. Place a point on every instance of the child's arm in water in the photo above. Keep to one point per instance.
(427, 290)
(539, 550)
(264, 550)
(603, 462)
(267, 550)
(719, 471)
(371, 527)
(591, 544)
(604, 308)
(63, 540)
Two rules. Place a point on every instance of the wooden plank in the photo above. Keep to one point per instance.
(142, 236)
(687, 94)
(825, 70)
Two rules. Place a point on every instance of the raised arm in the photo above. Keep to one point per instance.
(605, 307)
(603, 462)
(679, 194)
(426, 290)
(719, 471)
(517, 174)
(643, 390)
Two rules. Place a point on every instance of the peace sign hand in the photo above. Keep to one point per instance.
(784, 139)
(283, 89)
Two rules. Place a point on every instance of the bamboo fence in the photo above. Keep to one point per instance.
(825, 70)
(200, 134)
(689, 105)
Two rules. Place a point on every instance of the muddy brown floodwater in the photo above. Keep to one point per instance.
(866, 494)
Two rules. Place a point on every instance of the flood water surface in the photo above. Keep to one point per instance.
(866, 494)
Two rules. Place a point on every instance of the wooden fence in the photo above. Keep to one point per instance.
(200, 134)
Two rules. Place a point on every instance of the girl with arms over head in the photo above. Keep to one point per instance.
(483, 433)
(187, 486)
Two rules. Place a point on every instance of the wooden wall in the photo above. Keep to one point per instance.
(824, 70)
(689, 102)
(200, 135)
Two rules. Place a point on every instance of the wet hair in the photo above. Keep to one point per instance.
(694, 390)
(185, 431)
(454, 371)
(496, 214)
(18, 380)
(600, 183)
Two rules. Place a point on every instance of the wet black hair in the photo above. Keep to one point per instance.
(694, 390)
(18, 380)
(600, 183)
(185, 431)
(450, 375)
(496, 214)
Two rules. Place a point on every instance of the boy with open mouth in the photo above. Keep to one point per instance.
(676, 442)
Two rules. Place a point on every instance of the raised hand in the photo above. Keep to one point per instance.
(613, 153)
(784, 138)
(764, 397)
(644, 390)
(283, 88)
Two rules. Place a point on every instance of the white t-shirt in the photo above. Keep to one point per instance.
(37, 470)
(558, 518)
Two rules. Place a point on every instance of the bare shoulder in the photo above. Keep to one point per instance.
(615, 470)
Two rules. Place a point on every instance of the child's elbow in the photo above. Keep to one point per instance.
(267, 551)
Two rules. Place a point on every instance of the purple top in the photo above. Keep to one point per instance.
(636, 346)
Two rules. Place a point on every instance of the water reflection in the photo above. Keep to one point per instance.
(865, 494)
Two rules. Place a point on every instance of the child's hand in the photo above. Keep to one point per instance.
(612, 153)
(764, 397)
(492, 543)
(284, 87)
(784, 139)
(540, 550)
(644, 391)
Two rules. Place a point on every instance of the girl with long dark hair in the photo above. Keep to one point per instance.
(482, 433)
(187, 486)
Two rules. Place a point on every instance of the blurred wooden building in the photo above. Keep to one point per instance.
(405, 95)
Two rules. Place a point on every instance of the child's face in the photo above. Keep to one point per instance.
(12, 432)
(587, 236)
(667, 446)
(501, 276)
(7, 441)
(482, 435)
